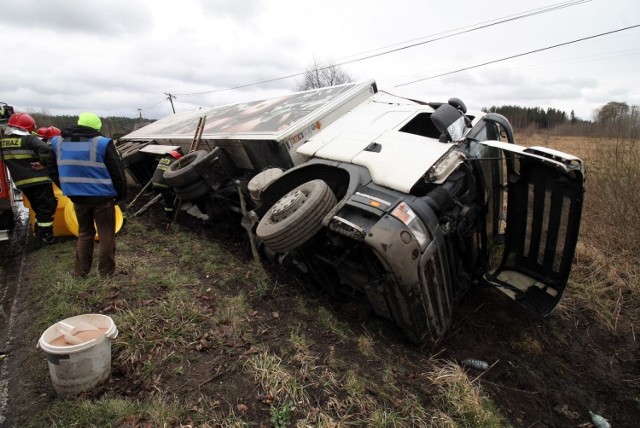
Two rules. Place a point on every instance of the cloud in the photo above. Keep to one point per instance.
(78, 16)
(120, 55)
(242, 11)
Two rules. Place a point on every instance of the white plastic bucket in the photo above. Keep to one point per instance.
(78, 351)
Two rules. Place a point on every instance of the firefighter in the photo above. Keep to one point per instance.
(46, 134)
(160, 185)
(27, 157)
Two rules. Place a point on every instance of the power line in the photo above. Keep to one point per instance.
(482, 24)
(576, 60)
(517, 55)
(474, 28)
(455, 32)
(149, 108)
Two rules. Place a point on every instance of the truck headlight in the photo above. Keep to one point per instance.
(408, 217)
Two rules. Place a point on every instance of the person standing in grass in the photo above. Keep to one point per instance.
(92, 175)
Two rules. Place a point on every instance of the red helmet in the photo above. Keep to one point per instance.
(22, 121)
(49, 132)
(175, 154)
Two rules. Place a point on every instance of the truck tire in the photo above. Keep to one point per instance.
(296, 217)
(182, 172)
(192, 191)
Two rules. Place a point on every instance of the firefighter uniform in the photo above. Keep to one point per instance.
(160, 185)
(26, 157)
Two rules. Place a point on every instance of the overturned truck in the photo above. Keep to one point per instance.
(407, 203)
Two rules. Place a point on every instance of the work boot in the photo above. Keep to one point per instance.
(45, 235)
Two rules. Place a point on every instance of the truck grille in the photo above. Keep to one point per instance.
(437, 297)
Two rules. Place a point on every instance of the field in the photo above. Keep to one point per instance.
(210, 338)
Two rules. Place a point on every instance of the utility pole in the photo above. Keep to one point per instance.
(140, 112)
(170, 98)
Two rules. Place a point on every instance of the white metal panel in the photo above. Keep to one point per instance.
(381, 113)
(403, 159)
(157, 149)
(271, 119)
(556, 157)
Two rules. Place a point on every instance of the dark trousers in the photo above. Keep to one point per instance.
(42, 201)
(104, 216)
(168, 197)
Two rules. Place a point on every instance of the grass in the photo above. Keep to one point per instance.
(275, 378)
(164, 314)
(461, 400)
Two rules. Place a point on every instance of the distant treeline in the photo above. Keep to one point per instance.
(614, 119)
(112, 126)
(525, 117)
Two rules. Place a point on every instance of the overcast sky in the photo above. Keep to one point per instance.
(120, 57)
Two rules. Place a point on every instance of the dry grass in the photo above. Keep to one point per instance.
(462, 403)
(606, 268)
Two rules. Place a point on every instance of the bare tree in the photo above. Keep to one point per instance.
(618, 119)
(318, 75)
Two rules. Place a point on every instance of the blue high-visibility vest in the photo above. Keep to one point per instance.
(81, 167)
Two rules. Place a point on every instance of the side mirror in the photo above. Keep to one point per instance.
(450, 121)
(457, 103)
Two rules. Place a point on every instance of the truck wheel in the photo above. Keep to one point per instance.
(193, 190)
(296, 217)
(182, 172)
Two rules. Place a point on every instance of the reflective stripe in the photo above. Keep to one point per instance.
(18, 156)
(83, 163)
(80, 146)
(18, 151)
(48, 224)
(32, 180)
(161, 185)
(85, 180)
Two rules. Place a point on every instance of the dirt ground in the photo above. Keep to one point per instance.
(543, 372)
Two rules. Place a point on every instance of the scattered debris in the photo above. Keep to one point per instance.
(566, 412)
(599, 421)
(475, 364)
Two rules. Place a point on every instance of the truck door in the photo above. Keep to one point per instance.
(545, 191)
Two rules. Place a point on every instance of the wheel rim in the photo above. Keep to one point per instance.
(287, 205)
